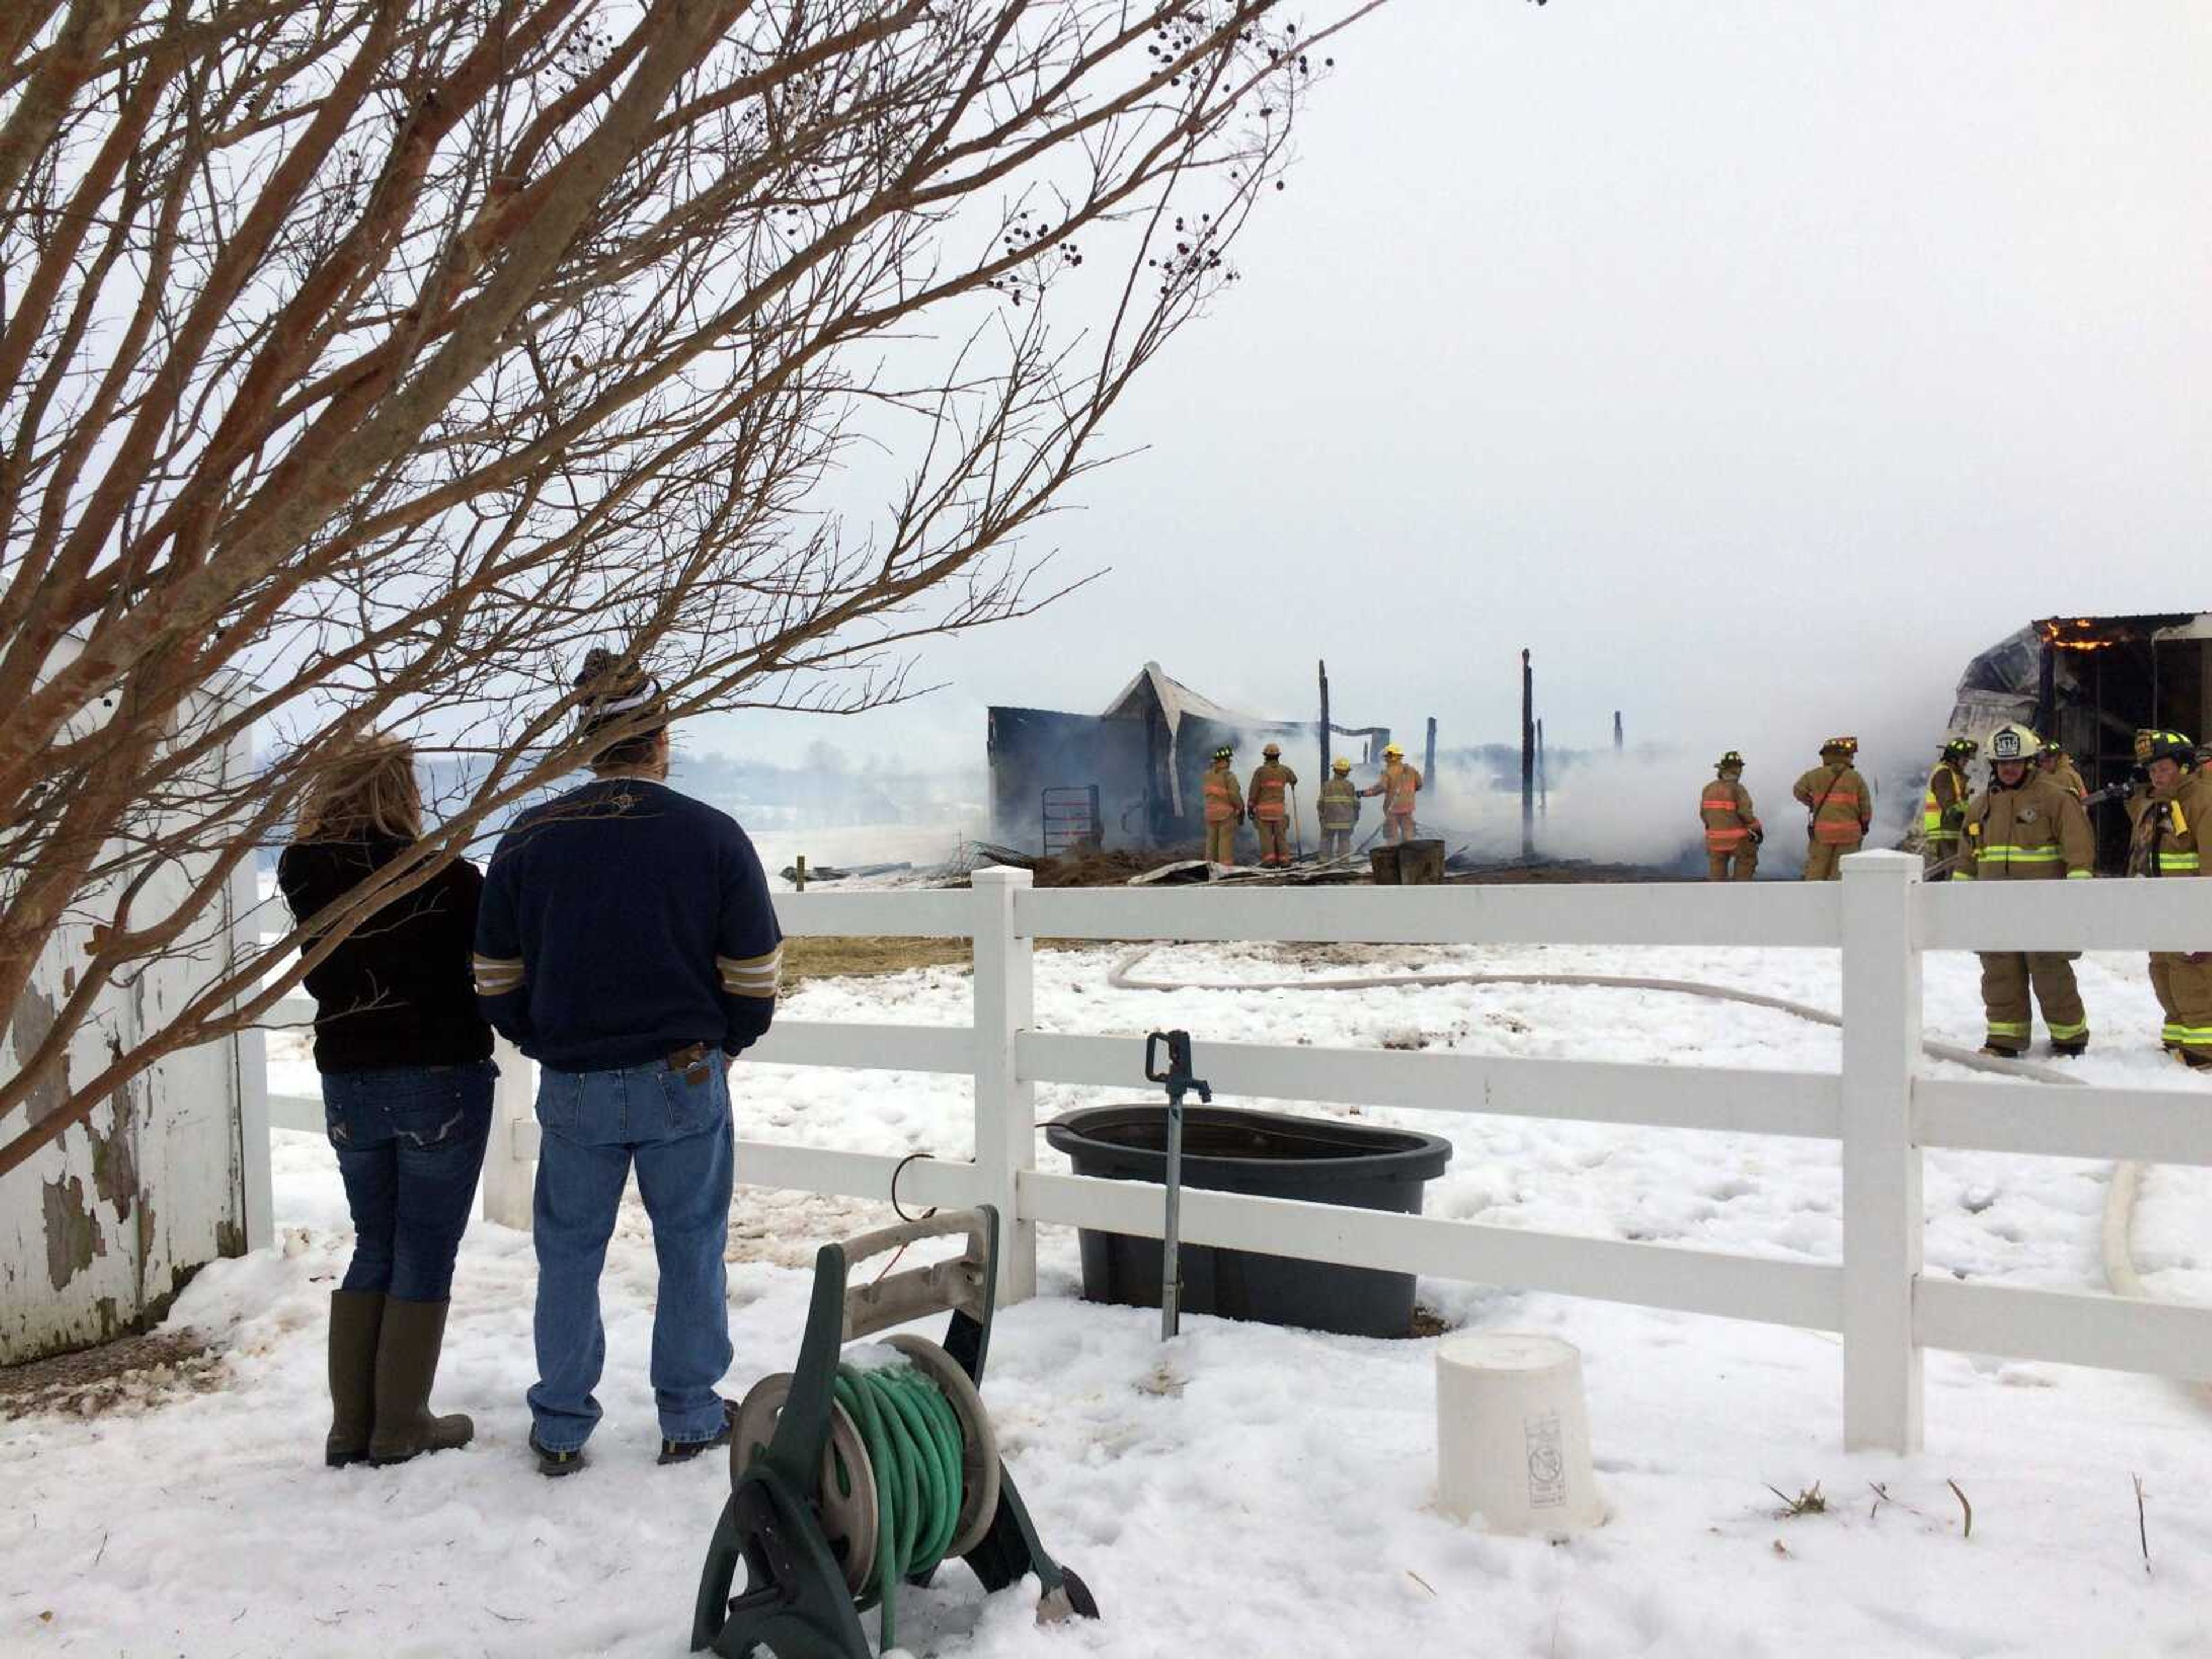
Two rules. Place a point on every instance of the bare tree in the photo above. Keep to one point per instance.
(370, 358)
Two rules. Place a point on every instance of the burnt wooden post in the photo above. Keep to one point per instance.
(1324, 719)
(1429, 758)
(1616, 731)
(1527, 758)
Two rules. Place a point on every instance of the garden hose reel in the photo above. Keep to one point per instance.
(804, 1516)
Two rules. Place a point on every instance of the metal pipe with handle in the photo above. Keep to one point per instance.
(1175, 1078)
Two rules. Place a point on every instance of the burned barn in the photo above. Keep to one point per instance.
(2092, 682)
(1129, 776)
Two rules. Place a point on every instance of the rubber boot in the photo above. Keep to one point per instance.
(356, 1318)
(406, 1366)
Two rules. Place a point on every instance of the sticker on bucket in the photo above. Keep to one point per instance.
(1547, 1462)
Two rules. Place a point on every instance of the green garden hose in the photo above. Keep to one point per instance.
(913, 1438)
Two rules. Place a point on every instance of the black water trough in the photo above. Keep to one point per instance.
(1316, 1160)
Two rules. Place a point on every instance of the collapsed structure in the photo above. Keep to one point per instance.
(1129, 776)
(2092, 682)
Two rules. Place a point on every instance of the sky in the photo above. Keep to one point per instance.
(1752, 365)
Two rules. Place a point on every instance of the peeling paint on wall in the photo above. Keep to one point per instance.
(111, 1219)
(33, 1021)
(73, 1234)
(115, 1157)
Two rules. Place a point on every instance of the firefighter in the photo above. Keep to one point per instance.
(1339, 810)
(1225, 808)
(1271, 811)
(1733, 831)
(2167, 842)
(2058, 766)
(1397, 786)
(1943, 809)
(2026, 827)
(1840, 807)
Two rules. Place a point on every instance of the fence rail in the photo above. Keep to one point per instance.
(1878, 1106)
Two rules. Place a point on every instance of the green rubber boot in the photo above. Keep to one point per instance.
(356, 1318)
(406, 1366)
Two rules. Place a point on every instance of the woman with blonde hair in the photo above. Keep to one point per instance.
(405, 1059)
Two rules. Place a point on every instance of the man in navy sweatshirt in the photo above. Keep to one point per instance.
(626, 942)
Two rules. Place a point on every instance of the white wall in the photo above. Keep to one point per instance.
(101, 1228)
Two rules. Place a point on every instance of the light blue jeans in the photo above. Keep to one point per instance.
(678, 1135)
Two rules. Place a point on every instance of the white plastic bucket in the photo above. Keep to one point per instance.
(1513, 1433)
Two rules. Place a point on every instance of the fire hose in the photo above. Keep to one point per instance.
(2117, 1228)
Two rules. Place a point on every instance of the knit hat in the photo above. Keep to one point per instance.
(615, 694)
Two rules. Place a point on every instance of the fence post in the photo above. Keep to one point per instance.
(1005, 1107)
(1883, 1224)
(508, 1177)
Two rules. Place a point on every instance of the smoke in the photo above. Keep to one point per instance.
(1641, 807)
(833, 787)
(1638, 807)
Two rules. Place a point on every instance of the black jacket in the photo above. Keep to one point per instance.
(395, 992)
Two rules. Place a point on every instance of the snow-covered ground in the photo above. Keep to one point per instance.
(922, 845)
(1248, 1490)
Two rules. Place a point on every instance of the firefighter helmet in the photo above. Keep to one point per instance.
(1961, 749)
(2165, 745)
(1392, 749)
(2053, 748)
(2008, 743)
(1341, 763)
(1840, 746)
(1274, 751)
(1731, 761)
(1224, 753)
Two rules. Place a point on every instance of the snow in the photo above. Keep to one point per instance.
(1245, 1489)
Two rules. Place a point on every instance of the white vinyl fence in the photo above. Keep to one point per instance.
(1881, 915)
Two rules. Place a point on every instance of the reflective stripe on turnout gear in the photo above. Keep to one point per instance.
(2002, 854)
(1221, 799)
(1265, 800)
(1725, 809)
(1938, 818)
(2034, 830)
(1339, 807)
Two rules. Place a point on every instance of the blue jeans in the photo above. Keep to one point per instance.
(409, 1141)
(678, 1135)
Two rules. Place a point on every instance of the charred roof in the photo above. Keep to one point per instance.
(2096, 633)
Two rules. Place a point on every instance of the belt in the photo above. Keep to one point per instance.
(693, 1060)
